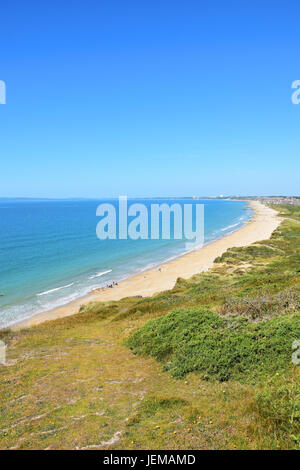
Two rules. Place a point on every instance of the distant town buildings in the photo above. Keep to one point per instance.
(264, 199)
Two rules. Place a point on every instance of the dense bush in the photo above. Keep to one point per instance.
(193, 339)
(265, 305)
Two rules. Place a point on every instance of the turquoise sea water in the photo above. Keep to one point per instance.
(50, 255)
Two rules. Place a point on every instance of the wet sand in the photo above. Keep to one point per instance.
(263, 222)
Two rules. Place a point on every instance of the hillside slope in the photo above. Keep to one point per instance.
(206, 365)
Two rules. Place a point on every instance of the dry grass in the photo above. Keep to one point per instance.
(76, 386)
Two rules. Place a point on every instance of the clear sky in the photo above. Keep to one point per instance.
(149, 98)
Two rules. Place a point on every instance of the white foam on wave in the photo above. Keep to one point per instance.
(100, 274)
(229, 226)
(54, 290)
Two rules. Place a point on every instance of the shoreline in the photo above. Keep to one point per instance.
(163, 277)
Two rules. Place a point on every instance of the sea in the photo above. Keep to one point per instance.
(50, 253)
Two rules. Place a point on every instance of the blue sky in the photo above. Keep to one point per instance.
(149, 98)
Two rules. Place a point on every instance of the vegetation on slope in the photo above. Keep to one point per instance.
(212, 367)
(193, 339)
(245, 327)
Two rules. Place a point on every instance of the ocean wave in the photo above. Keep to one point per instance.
(54, 290)
(100, 274)
(230, 226)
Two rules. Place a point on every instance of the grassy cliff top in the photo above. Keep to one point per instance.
(204, 365)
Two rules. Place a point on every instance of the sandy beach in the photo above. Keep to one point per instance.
(263, 222)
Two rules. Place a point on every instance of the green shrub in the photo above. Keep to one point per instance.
(193, 339)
